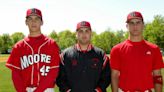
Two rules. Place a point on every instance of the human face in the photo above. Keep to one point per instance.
(34, 23)
(135, 27)
(84, 35)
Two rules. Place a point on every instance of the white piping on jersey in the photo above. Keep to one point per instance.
(104, 57)
(54, 67)
(38, 73)
(32, 65)
(105, 60)
(32, 73)
(96, 90)
(38, 63)
(89, 47)
(42, 46)
(62, 58)
(78, 47)
(13, 66)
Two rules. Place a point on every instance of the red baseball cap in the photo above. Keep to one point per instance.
(134, 15)
(34, 11)
(83, 24)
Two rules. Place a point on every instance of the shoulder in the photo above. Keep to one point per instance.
(17, 47)
(98, 50)
(118, 46)
(67, 53)
(19, 44)
(50, 42)
(151, 45)
(68, 50)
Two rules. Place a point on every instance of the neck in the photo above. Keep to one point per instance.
(135, 38)
(83, 46)
(35, 34)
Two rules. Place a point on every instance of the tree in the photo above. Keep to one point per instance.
(154, 31)
(54, 36)
(7, 43)
(1, 44)
(120, 36)
(17, 36)
(66, 39)
(106, 40)
(94, 34)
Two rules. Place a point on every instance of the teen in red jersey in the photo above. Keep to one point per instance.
(136, 64)
(34, 61)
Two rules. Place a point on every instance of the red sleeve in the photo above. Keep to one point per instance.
(18, 83)
(114, 58)
(157, 61)
(52, 75)
(13, 61)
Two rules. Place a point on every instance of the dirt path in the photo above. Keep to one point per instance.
(3, 58)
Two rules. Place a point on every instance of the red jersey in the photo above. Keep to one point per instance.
(35, 57)
(136, 62)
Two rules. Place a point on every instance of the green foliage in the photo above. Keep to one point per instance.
(54, 36)
(154, 31)
(17, 36)
(66, 39)
(6, 43)
(1, 43)
(106, 40)
(120, 36)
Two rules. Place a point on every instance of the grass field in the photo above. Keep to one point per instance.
(6, 82)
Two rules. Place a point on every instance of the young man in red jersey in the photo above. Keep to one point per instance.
(34, 61)
(136, 64)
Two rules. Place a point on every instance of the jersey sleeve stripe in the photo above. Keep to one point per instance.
(105, 60)
(54, 67)
(62, 58)
(10, 65)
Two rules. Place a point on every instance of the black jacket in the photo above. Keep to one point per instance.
(83, 71)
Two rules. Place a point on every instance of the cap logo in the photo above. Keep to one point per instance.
(133, 14)
(83, 23)
(33, 11)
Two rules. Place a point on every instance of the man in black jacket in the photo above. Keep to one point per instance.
(84, 68)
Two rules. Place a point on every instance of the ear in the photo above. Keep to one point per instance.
(42, 22)
(127, 26)
(76, 34)
(144, 25)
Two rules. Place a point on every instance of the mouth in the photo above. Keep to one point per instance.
(33, 26)
(84, 38)
(135, 30)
